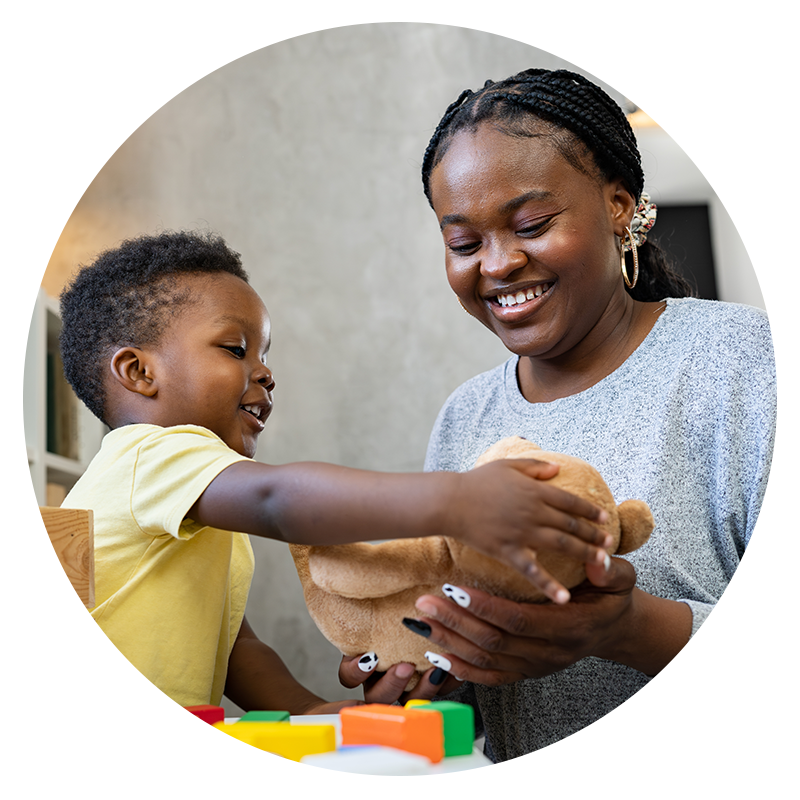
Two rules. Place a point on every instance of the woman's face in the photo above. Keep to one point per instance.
(529, 240)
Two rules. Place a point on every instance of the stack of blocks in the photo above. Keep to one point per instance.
(63, 657)
(376, 739)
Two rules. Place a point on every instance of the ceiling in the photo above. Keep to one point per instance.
(680, 62)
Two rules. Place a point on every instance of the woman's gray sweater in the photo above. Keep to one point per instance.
(686, 424)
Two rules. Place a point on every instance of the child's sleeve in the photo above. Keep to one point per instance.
(173, 468)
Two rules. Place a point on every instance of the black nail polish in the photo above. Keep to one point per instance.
(415, 626)
(438, 676)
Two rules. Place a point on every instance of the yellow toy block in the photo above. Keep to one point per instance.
(191, 753)
(283, 739)
(412, 703)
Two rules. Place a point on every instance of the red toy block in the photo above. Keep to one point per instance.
(120, 726)
(408, 729)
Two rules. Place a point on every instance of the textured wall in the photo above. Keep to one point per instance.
(305, 157)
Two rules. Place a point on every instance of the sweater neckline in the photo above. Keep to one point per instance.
(516, 399)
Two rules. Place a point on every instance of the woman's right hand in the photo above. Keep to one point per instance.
(389, 687)
(506, 510)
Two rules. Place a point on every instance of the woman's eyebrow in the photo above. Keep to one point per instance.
(507, 207)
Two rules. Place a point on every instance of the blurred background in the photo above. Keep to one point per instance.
(305, 157)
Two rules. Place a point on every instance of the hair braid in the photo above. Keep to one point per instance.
(571, 103)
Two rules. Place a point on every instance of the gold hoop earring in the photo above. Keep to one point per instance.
(628, 282)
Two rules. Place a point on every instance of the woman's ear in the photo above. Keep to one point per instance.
(132, 370)
(622, 205)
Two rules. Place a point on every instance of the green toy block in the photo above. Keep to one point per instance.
(265, 716)
(459, 725)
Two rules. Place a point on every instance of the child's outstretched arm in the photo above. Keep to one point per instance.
(500, 509)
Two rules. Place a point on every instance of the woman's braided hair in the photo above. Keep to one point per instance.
(580, 119)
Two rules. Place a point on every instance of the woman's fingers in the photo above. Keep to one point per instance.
(525, 561)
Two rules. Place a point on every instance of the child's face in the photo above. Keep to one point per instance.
(211, 362)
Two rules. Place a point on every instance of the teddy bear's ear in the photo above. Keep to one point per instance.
(636, 524)
(510, 447)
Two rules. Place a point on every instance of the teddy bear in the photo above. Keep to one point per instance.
(358, 594)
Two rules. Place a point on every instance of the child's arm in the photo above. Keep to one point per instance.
(498, 509)
(259, 681)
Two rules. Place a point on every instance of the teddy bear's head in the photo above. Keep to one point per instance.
(358, 594)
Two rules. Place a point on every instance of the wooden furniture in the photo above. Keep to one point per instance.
(63, 641)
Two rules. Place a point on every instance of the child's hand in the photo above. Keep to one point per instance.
(506, 510)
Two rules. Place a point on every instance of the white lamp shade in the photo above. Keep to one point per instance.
(63, 144)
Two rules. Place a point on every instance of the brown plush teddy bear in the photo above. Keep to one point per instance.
(358, 594)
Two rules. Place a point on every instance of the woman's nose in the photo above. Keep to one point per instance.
(499, 261)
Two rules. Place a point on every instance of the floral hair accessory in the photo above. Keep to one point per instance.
(643, 220)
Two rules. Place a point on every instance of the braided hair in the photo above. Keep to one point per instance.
(128, 297)
(581, 120)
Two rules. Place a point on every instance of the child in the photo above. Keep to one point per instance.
(166, 342)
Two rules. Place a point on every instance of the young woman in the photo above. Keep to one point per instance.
(537, 185)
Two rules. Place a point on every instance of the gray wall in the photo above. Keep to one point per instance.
(305, 157)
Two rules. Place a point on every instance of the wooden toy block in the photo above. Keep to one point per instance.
(71, 534)
(119, 726)
(371, 760)
(65, 648)
(459, 726)
(409, 729)
(54, 707)
(81, 755)
(283, 739)
(265, 716)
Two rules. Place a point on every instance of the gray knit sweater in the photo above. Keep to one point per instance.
(687, 424)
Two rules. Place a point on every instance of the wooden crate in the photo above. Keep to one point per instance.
(63, 642)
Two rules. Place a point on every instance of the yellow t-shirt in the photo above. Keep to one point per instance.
(169, 593)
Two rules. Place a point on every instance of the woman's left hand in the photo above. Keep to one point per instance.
(498, 641)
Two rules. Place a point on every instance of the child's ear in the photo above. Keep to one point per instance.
(132, 370)
(623, 206)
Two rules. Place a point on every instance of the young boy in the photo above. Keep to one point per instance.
(166, 342)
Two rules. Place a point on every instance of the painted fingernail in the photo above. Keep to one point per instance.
(459, 595)
(368, 662)
(438, 676)
(439, 661)
(417, 626)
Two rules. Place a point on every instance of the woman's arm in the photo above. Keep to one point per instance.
(504, 509)
(496, 641)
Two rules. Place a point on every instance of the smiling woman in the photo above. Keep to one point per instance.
(537, 185)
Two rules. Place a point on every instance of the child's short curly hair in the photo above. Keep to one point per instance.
(127, 298)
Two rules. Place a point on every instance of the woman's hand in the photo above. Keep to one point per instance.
(494, 641)
(389, 687)
(506, 515)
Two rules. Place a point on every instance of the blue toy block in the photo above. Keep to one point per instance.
(54, 709)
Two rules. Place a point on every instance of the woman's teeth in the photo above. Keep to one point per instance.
(521, 297)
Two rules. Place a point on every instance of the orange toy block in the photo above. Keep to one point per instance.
(207, 713)
(409, 729)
